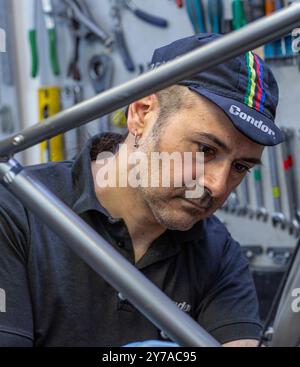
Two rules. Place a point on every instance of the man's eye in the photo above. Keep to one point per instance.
(206, 149)
(240, 168)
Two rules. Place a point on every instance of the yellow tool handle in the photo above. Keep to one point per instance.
(49, 105)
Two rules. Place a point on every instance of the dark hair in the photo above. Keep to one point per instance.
(105, 142)
(171, 100)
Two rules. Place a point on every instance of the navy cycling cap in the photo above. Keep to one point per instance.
(243, 87)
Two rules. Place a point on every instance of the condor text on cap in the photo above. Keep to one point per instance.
(234, 110)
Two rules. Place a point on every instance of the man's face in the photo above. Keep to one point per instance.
(228, 154)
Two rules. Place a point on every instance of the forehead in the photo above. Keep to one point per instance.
(203, 117)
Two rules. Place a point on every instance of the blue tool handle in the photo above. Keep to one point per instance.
(122, 46)
(152, 19)
(215, 25)
(289, 46)
(269, 50)
(215, 11)
(200, 15)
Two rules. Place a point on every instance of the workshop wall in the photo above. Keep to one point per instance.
(141, 39)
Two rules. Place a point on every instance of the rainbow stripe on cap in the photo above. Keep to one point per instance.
(255, 94)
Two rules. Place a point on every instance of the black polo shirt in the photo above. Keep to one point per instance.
(50, 297)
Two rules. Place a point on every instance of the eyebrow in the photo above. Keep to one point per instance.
(223, 146)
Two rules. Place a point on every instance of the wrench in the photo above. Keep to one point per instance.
(261, 211)
(288, 166)
(277, 216)
(115, 14)
(101, 70)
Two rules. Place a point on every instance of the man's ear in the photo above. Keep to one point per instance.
(140, 113)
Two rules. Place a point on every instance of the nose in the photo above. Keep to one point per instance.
(216, 178)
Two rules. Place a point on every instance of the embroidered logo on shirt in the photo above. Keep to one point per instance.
(184, 306)
(2, 300)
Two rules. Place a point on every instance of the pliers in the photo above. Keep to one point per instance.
(82, 15)
(115, 11)
(50, 26)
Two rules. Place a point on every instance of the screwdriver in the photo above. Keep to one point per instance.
(239, 16)
(227, 16)
(269, 9)
(215, 13)
(196, 14)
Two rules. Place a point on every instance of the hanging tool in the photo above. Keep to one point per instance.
(195, 12)
(244, 199)
(32, 34)
(288, 167)
(239, 16)
(49, 105)
(115, 13)
(49, 21)
(101, 69)
(77, 35)
(248, 11)
(179, 3)
(51, 30)
(215, 14)
(261, 211)
(277, 216)
(101, 72)
(70, 138)
(81, 14)
(257, 8)
(6, 118)
(146, 17)
(6, 59)
(116, 8)
(227, 16)
(280, 46)
(269, 49)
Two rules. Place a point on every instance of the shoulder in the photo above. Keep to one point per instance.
(213, 242)
(216, 235)
(53, 175)
(213, 227)
(50, 172)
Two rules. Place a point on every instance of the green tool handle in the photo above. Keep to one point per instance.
(53, 51)
(34, 53)
(239, 16)
(257, 175)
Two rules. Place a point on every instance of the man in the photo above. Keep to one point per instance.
(54, 299)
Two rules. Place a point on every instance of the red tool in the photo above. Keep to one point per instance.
(179, 3)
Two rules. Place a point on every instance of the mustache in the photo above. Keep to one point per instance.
(205, 201)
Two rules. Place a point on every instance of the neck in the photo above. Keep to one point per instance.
(127, 203)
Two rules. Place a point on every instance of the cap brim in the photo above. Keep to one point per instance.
(247, 120)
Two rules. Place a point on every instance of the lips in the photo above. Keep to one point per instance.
(197, 205)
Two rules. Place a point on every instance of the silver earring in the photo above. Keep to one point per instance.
(136, 140)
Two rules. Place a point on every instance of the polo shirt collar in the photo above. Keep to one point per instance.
(83, 183)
